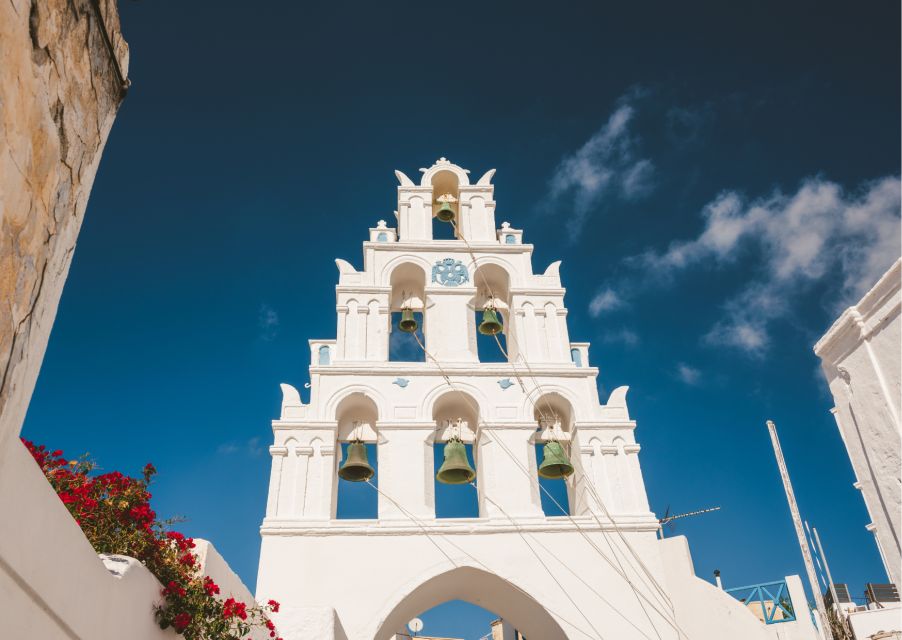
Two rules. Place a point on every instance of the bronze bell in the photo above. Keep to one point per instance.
(456, 468)
(555, 463)
(445, 213)
(491, 324)
(408, 323)
(356, 467)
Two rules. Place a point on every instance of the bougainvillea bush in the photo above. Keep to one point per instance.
(114, 512)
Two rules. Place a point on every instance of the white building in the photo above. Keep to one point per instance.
(598, 572)
(861, 356)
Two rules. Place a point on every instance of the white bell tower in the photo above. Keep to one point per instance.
(599, 572)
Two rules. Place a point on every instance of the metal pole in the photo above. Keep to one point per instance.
(820, 550)
(826, 631)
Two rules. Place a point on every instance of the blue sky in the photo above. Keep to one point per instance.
(719, 180)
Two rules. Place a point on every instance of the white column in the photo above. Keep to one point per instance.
(406, 472)
(447, 313)
(285, 503)
(342, 338)
(502, 456)
(301, 479)
(375, 333)
(637, 484)
(275, 478)
(362, 321)
(529, 341)
(552, 335)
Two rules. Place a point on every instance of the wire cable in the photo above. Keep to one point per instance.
(542, 396)
(425, 531)
(591, 542)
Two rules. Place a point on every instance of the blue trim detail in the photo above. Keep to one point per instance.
(449, 272)
(772, 598)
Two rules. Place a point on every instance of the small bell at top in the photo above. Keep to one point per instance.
(356, 467)
(445, 212)
(555, 463)
(491, 324)
(408, 323)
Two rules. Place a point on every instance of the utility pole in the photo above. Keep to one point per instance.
(826, 631)
(820, 550)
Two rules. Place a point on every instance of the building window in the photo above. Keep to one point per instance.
(577, 357)
(509, 239)
(382, 237)
(325, 355)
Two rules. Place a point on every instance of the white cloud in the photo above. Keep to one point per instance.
(267, 322)
(687, 374)
(818, 232)
(251, 447)
(605, 300)
(606, 165)
(624, 336)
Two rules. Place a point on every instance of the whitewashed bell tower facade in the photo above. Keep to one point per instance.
(599, 572)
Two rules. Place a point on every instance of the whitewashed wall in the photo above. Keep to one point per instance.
(861, 356)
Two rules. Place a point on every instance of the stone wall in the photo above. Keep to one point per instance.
(63, 77)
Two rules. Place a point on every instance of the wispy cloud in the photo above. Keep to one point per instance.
(687, 374)
(818, 232)
(251, 447)
(623, 336)
(605, 300)
(605, 166)
(267, 322)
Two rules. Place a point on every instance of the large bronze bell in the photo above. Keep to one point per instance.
(356, 467)
(445, 213)
(456, 468)
(491, 324)
(555, 463)
(408, 323)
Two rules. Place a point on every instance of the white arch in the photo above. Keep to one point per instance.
(370, 392)
(441, 388)
(463, 178)
(471, 583)
(406, 258)
(530, 399)
(513, 273)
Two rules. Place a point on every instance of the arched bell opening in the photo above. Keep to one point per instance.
(358, 462)
(445, 206)
(456, 415)
(553, 414)
(408, 286)
(524, 616)
(491, 313)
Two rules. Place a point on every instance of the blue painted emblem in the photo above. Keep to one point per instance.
(505, 383)
(401, 382)
(449, 272)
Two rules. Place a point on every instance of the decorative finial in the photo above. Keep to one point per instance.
(381, 225)
(505, 225)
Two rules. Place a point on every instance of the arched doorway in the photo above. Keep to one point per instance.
(479, 587)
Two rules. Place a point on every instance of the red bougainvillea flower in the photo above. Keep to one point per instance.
(210, 587)
(181, 621)
(114, 512)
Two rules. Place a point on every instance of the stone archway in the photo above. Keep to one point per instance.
(478, 587)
